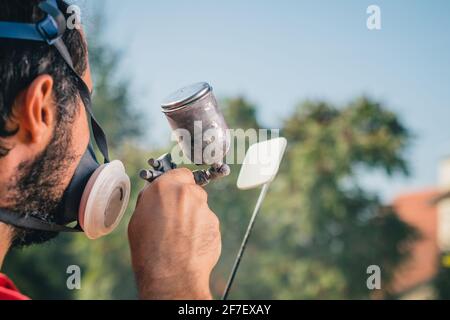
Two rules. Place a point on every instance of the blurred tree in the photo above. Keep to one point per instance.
(320, 229)
(319, 232)
(106, 261)
(442, 281)
(40, 271)
(232, 206)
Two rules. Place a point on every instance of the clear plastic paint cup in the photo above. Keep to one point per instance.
(197, 121)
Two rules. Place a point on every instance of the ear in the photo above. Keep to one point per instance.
(36, 112)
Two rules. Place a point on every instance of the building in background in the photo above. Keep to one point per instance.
(443, 205)
(429, 212)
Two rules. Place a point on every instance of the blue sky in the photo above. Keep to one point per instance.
(278, 53)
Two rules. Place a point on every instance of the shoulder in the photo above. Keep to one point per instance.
(8, 290)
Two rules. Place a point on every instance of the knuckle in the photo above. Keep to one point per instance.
(216, 221)
(185, 175)
(185, 189)
(200, 193)
(215, 229)
(140, 195)
(184, 192)
(212, 219)
(143, 193)
(183, 171)
(162, 185)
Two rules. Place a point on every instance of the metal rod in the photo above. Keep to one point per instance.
(237, 262)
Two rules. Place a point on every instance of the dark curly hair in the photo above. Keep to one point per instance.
(22, 61)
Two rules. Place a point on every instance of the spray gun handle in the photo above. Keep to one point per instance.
(202, 177)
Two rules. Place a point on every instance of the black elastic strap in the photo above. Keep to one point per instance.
(52, 10)
(30, 222)
(99, 134)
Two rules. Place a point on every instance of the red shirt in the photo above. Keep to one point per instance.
(8, 290)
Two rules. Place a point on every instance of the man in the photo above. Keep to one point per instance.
(174, 237)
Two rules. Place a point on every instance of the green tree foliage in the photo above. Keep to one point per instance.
(40, 271)
(106, 262)
(442, 281)
(231, 205)
(320, 229)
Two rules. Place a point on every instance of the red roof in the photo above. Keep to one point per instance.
(416, 209)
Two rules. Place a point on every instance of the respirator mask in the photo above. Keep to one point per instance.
(97, 195)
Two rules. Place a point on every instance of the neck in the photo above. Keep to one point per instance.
(5, 242)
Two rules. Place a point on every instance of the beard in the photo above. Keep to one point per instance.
(38, 190)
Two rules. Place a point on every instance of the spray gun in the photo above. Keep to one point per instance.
(201, 131)
(193, 112)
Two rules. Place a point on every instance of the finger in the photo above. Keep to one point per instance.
(199, 193)
(141, 193)
(182, 175)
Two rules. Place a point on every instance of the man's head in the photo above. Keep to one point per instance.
(43, 127)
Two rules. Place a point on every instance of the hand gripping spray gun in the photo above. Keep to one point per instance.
(194, 116)
(194, 110)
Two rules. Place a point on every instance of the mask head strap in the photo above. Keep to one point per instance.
(30, 222)
(51, 30)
